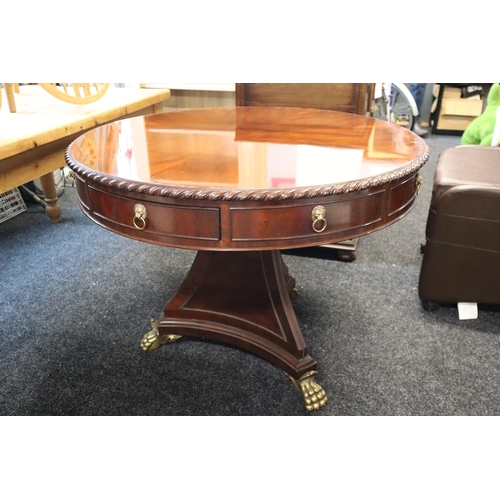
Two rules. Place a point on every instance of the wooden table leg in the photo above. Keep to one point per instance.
(53, 208)
(9, 90)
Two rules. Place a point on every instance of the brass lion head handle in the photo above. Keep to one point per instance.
(140, 215)
(418, 183)
(318, 218)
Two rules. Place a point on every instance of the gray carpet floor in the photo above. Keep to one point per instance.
(75, 300)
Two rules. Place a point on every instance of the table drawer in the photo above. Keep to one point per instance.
(295, 222)
(160, 219)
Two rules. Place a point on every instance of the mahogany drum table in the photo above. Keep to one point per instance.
(238, 185)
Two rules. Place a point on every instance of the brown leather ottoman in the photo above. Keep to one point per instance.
(462, 253)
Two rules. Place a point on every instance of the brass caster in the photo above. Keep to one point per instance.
(153, 340)
(294, 293)
(312, 393)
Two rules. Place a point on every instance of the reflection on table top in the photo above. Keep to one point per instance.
(248, 148)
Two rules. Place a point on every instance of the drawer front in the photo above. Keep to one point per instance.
(297, 222)
(401, 196)
(162, 220)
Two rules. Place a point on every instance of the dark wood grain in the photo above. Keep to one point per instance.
(203, 177)
(206, 185)
(346, 97)
(243, 299)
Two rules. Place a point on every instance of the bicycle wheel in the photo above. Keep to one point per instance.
(400, 109)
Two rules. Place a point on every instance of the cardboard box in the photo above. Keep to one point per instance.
(452, 93)
(448, 122)
(461, 107)
(456, 113)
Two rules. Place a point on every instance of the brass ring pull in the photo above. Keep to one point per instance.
(318, 219)
(140, 215)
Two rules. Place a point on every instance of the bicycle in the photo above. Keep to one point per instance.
(394, 103)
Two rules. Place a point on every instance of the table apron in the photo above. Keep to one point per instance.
(247, 225)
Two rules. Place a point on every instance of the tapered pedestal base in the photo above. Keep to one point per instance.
(242, 299)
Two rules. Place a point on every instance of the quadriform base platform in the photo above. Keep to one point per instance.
(238, 185)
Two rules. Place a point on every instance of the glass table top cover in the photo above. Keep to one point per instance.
(249, 148)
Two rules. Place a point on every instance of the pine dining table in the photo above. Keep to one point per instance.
(34, 138)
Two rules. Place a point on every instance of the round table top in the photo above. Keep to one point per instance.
(245, 151)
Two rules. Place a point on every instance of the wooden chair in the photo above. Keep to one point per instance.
(75, 93)
(10, 88)
(354, 98)
(347, 97)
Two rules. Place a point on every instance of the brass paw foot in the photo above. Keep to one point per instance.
(312, 393)
(294, 293)
(153, 340)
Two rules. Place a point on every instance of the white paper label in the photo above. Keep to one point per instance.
(467, 310)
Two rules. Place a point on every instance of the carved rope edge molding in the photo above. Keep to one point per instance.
(245, 194)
